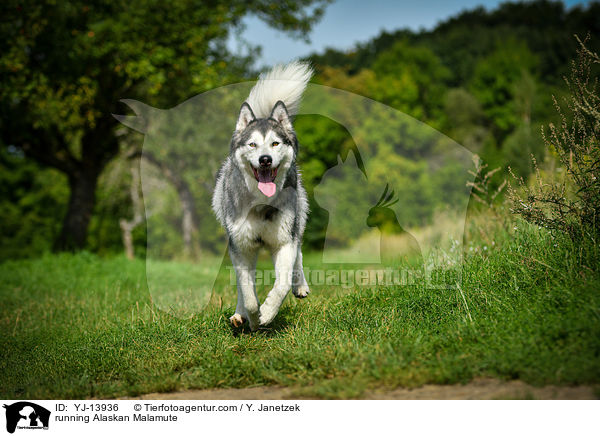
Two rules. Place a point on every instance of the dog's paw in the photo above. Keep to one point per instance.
(301, 291)
(237, 320)
(266, 315)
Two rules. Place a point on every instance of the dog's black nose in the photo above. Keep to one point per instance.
(265, 160)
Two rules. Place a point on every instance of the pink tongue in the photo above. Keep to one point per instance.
(267, 188)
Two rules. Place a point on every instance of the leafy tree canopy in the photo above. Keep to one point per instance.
(65, 65)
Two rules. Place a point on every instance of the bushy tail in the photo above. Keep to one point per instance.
(283, 82)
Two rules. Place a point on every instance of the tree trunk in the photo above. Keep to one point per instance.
(81, 205)
(189, 220)
(127, 226)
(126, 230)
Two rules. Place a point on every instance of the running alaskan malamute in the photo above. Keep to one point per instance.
(259, 198)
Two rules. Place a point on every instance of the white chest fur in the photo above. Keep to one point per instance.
(263, 225)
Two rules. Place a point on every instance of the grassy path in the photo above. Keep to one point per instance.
(76, 326)
(480, 389)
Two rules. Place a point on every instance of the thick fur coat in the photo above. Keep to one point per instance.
(259, 198)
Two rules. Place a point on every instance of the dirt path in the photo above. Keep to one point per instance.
(482, 389)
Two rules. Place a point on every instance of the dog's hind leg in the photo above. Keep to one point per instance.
(247, 305)
(284, 259)
(299, 285)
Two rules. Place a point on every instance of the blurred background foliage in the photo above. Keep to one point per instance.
(484, 78)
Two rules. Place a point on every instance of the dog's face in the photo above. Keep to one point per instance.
(264, 149)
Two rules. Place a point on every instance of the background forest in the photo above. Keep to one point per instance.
(484, 78)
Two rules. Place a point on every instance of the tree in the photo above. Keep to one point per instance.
(419, 65)
(32, 200)
(497, 79)
(464, 116)
(65, 65)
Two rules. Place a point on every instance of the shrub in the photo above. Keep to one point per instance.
(570, 203)
(482, 190)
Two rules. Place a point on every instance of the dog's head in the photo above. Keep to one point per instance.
(264, 148)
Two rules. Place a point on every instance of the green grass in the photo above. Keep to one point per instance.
(75, 326)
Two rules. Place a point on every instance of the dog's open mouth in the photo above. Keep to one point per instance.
(265, 175)
(265, 178)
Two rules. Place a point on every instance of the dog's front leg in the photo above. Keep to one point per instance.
(283, 259)
(247, 305)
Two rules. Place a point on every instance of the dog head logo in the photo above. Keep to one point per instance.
(26, 415)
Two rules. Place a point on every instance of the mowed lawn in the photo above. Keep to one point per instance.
(76, 326)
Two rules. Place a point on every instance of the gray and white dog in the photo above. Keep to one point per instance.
(259, 198)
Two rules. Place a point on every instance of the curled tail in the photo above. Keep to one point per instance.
(283, 82)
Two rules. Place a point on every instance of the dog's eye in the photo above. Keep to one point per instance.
(252, 144)
(275, 144)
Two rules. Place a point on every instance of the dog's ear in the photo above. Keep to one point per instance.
(280, 114)
(245, 118)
